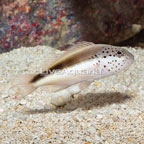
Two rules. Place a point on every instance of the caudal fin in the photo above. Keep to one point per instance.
(23, 85)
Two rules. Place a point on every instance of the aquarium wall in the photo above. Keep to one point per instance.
(58, 23)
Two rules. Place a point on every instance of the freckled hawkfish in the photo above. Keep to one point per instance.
(83, 63)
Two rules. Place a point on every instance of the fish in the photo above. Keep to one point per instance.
(81, 64)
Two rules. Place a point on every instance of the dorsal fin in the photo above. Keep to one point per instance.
(75, 51)
(71, 50)
(52, 59)
(78, 46)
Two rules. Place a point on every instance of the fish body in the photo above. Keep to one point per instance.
(84, 62)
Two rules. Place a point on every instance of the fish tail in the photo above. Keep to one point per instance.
(23, 85)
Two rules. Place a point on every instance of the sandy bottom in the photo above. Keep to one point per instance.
(111, 111)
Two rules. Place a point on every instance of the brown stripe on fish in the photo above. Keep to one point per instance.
(69, 59)
(58, 66)
(44, 73)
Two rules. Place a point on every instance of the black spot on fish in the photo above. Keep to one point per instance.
(104, 57)
(37, 77)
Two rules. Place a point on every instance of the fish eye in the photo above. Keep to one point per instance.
(119, 52)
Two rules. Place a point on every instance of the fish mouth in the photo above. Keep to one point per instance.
(129, 56)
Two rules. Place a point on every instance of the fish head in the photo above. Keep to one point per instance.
(114, 59)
